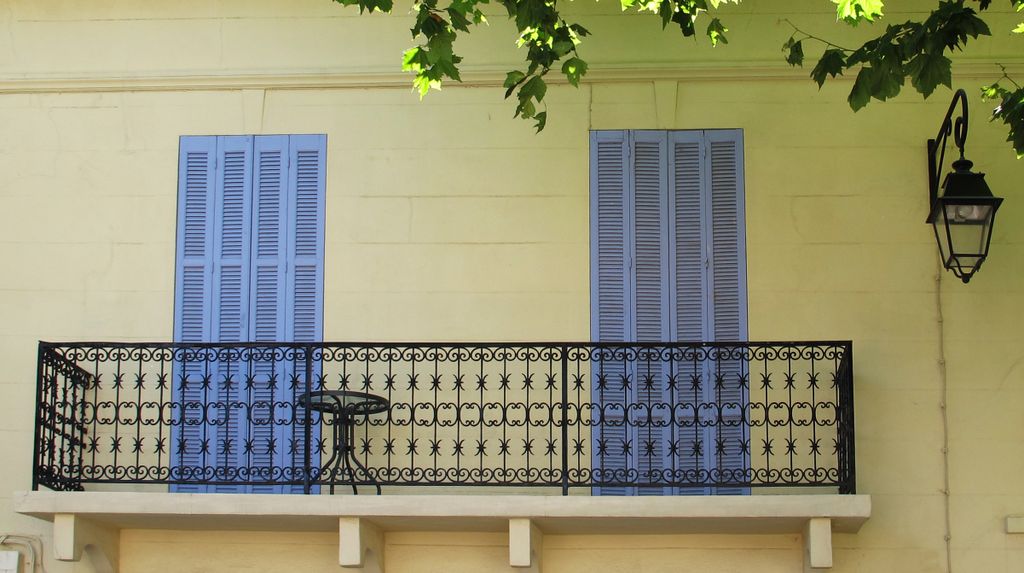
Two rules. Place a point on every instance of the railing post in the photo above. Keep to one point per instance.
(36, 451)
(851, 454)
(565, 420)
(307, 422)
(78, 424)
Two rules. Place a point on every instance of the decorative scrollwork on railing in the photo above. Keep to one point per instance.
(726, 417)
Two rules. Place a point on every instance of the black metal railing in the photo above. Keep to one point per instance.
(640, 418)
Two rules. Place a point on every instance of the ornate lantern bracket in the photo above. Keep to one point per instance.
(963, 216)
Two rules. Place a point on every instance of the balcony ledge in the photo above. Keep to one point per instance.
(360, 520)
(554, 514)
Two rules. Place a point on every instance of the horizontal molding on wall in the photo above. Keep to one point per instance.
(472, 77)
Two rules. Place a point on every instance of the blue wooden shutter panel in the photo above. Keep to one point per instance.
(689, 308)
(192, 290)
(304, 287)
(668, 263)
(650, 276)
(230, 298)
(306, 246)
(724, 184)
(610, 296)
(247, 213)
(269, 304)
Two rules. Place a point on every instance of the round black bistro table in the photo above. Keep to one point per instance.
(344, 407)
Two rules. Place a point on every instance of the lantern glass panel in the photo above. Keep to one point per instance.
(939, 225)
(968, 214)
(963, 228)
(968, 236)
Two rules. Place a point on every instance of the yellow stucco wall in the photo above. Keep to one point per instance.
(460, 552)
(449, 220)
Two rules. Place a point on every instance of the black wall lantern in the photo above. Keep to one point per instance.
(963, 216)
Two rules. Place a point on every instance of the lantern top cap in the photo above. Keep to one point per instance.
(964, 184)
(963, 165)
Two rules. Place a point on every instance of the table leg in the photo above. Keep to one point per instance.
(336, 454)
(347, 448)
(355, 461)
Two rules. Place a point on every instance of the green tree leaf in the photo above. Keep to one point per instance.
(794, 52)
(992, 91)
(854, 11)
(716, 31)
(685, 21)
(413, 60)
(423, 83)
(832, 63)
(368, 5)
(1010, 112)
(928, 71)
(458, 20)
(541, 120)
(860, 95)
(574, 69)
(579, 30)
(535, 88)
(952, 23)
(513, 79)
(526, 109)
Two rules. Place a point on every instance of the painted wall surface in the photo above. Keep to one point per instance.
(449, 220)
(458, 552)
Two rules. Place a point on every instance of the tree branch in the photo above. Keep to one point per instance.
(813, 37)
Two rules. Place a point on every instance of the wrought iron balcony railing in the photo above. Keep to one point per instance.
(645, 418)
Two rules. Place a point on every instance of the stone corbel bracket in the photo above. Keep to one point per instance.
(525, 544)
(360, 545)
(74, 537)
(818, 544)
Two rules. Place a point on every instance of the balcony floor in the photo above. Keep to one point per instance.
(553, 514)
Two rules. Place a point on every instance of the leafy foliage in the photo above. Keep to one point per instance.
(854, 11)
(832, 63)
(914, 50)
(794, 51)
(547, 37)
(1010, 110)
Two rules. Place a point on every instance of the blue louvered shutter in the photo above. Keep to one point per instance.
(287, 299)
(727, 246)
(306, 247)
(728, 242)
(212, 259)
(190, 448)
(304, 288)
(689, 297)
(230, 304)
(270, 396)
(249, 268)
(650, 278)
(689, 302)
(611, 314)
(680, 245)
